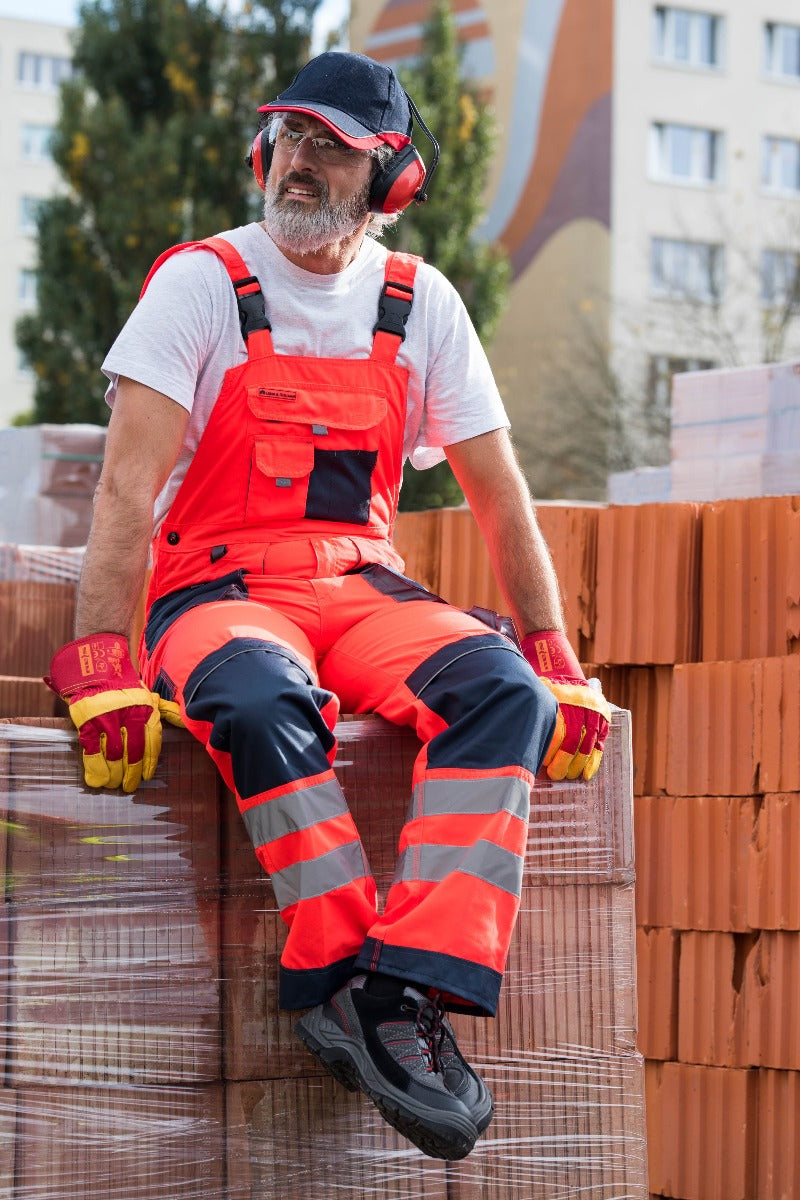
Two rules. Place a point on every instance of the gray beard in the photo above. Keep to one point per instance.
(292, 226)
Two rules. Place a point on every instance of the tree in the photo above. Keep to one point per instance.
(153, 129)
(441, 229)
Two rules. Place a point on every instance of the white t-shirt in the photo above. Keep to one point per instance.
(184, 335)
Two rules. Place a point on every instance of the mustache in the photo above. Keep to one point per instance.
(306, 181)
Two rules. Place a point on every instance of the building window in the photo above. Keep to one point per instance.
(782, 50)
(780, 278)
(780, 164)
(42, 71)
(662, 368)
(685, 153)
(26, 289)
(683, 270)
(28, 208)
(36, 142)
(686, 37)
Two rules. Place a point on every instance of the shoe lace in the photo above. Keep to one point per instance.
(430, 1031)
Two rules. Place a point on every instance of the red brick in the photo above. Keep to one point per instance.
(711, 1003)
(701, 1131)
(778, 1135)
(750, 594)
(645, 692)
(774, 852)
(648, 565)
(657, 957)
(714, 739)
(693, 865)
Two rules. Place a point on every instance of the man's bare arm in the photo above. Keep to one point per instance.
(487, 470)
(144, 437)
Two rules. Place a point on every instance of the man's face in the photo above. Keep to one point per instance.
(318, 190)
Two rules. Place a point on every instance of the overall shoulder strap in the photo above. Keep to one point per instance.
(249, 297)
(394, 305)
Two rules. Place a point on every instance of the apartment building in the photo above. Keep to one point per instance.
(646, 187)
(34, 58)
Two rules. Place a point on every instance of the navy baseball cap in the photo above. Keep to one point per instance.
(361, 100)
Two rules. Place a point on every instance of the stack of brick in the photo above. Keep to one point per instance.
(692, 611)
(734, 432)
(698, 625)
(144, 1054)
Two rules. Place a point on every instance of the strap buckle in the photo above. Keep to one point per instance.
(252, 310)
(393, 310)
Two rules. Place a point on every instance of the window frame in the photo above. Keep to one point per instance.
(664, 37)
(788, 293)
(772, 51)
(662, 153)
(770, 143)
(48, 71)
(662, 287)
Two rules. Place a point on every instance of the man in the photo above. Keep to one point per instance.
(265, 393)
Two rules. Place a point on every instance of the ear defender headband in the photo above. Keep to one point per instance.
(402, 181)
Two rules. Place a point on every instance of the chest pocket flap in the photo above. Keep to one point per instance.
(284, 458)
(339, 407)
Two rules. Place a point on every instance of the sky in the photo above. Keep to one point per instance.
(330, 15)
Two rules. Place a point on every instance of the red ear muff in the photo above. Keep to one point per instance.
(260, 157)
(394, 188)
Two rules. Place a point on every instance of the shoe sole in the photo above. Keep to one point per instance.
(342, 1059)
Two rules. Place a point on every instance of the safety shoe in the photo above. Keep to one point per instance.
(459, 1077)
(385, 1048)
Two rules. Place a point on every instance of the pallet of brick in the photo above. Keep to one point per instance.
(83, 987)
(114, 1143)
(563, 1127)
(111, 919)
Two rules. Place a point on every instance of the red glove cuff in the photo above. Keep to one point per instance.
(90, 664)
(551, 656)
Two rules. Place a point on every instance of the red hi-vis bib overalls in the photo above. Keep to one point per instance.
(275, 597)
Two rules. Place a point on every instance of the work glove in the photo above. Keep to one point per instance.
(117, 718)
(583, 713)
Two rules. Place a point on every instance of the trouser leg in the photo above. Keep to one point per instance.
(485, 721)
(247, 687)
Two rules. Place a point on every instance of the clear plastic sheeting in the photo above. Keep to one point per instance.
(145, 1056)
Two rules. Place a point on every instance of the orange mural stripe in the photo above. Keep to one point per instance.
(417, 13)
(579, 75)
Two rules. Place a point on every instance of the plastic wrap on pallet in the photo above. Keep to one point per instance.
(40, 564)
(144, 1054)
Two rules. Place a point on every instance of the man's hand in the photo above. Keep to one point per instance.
(117, 718)
(583, 714)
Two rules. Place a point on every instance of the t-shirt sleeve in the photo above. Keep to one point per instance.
(168, 336)
(461, 399)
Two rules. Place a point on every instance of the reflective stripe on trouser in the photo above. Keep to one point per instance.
(245, 677)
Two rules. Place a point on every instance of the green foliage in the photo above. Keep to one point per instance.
(442, 229)
(150, 142)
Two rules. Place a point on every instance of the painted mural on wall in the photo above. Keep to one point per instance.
(555, 117)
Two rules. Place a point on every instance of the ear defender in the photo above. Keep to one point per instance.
(260, 157)
(399, 183)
